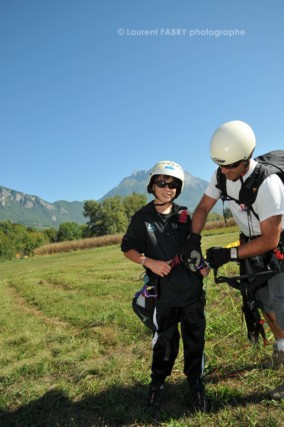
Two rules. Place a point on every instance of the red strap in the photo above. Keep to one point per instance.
(175, 261)
(279, 254)
(183, 216)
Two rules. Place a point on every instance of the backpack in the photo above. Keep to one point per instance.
(268, 164)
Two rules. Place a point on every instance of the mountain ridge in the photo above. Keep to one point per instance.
(33, 211)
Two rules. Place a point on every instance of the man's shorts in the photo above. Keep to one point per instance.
(271, 298)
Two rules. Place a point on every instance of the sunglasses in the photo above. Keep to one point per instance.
(162, 184)
(232, 165)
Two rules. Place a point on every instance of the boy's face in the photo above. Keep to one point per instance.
(165, 189)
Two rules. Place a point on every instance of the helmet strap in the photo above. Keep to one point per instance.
(246, 168)
(163, 204)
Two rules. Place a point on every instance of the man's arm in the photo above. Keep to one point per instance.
(191, 253)
(201, 213)
(269, 238)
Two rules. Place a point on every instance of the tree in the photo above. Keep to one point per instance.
(113, 216)
(108, 217)
(133, 203)
(84, 230)
(33, 240)
(214, 216)
(69, 231)
(51, 234)
(17, 239)
(7, 250)
(92, 210)
(228, 213)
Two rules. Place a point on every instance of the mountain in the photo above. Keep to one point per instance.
(137, 182)
(33, 211)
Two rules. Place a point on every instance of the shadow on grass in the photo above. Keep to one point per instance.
(217, 375)
(117, 406)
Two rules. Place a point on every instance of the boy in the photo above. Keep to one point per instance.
(154, 238)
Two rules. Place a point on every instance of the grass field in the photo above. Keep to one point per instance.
(74, 354)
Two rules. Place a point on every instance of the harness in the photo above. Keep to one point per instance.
(250, 310)
(254, 274)
(144, 300)
(268, 164)
(249, 188)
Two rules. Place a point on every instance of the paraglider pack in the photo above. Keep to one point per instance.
(144, 302)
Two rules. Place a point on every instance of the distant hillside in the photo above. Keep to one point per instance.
(33, 211)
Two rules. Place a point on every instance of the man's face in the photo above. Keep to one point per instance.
(234, 171)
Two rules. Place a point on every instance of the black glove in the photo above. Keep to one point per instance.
(216, 257)
(191, 254)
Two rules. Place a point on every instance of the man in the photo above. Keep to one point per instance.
(154, 237)
(231, 148)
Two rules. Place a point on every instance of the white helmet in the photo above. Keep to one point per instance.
(232, 142)
(169, 168)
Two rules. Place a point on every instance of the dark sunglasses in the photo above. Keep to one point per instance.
(232, 165)
(162, 184)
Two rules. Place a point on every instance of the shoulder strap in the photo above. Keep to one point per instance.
(249, 188)
(251, 185)
(184, 218)
(221, 185)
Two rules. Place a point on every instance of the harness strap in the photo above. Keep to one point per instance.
(183, 217)
(175, 261)
(250, 310)
(234, 281)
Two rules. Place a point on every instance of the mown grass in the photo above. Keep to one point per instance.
(74, 354)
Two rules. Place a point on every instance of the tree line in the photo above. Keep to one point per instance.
(108, 217)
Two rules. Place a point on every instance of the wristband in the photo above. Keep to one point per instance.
(142, 261)
(234, 254)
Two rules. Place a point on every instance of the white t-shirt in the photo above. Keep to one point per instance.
(269, 201)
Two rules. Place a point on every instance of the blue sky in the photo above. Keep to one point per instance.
(91, 90)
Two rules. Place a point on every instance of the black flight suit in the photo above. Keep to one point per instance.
(180, 294)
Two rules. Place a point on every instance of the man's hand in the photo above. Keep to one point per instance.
(191, 254)
(216, 257)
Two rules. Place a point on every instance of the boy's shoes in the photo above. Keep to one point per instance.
(277, 393)
(275, 361)
(155, 398)
(199, 398)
